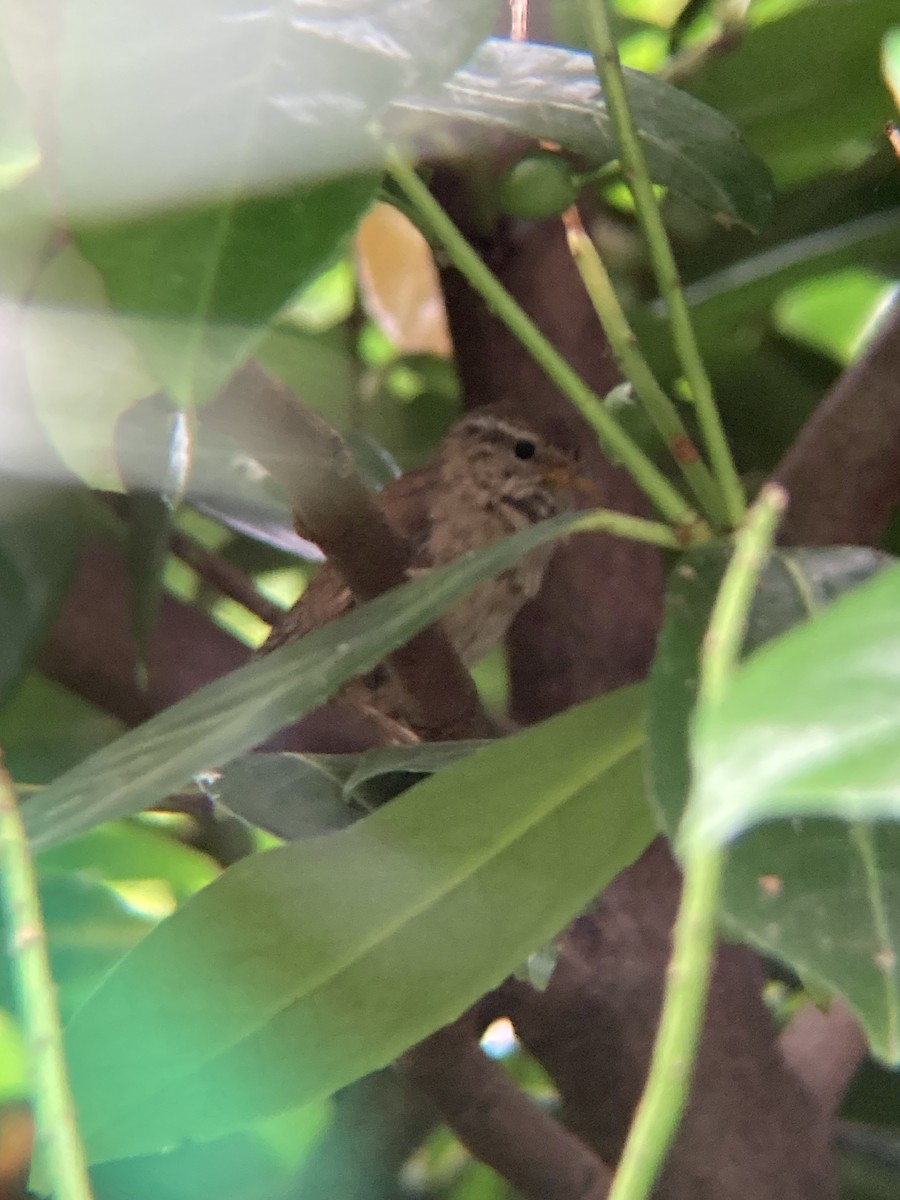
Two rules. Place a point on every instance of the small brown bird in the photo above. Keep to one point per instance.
(490, 477)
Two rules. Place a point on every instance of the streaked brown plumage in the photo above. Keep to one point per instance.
(490, 477)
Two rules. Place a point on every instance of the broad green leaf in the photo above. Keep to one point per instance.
(302, 795)
(806, 90)
(810, 725)
(234, 713)
(229, 1168)
(159, 103)
(819, 894)
(38, 536)
(794, 584)
(552, 93)
(319, 961)
(824, 896)
(199, 286)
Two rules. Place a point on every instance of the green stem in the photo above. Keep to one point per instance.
(612, 80)
(667, 499)
(693, 938)
(637, 529)
(54, 1111)
(659, 408)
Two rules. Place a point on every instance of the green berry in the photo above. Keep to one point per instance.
(538, 186)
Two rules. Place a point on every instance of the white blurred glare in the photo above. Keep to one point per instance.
(499, 1039)
(162, 103)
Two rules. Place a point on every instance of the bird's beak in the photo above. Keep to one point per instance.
(564, 475)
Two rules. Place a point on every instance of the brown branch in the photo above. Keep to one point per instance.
(498, 1122)
(751, 1131)
(337, 512)
(224, 576)
(823, 1049)
(843, 471)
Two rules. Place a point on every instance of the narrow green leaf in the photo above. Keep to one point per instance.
(552, 93)
(307, 966)
(810, 725)
(234, 713)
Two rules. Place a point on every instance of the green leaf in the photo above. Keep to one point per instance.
(810, 725)
(547, 92)
(234, 713)
(161, 103)
(79, 729)
(837, 314)
(805, 90)
(128, 853)
(200, 285)
(290, 795)
(794, 584)
(890, 61)
(319, 961)
(302, 795)
(743, 293)
(38, 539)
(815, 893)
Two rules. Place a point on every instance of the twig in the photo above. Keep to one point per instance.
(609, 70)
(618, 443)
(635, 529)
(54, 1110)
(693, 938)
(659, 408)
(499, 1123)
(224, 576)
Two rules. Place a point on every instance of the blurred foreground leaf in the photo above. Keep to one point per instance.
(305, 967)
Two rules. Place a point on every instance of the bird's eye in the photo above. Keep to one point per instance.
(525, 449)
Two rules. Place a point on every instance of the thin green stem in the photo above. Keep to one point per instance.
(612, 79)
(637, 529)
(54, 1111)
(667, 499)
(659, 408)
(728, 622)
(693, 939)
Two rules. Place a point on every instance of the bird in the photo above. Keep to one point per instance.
(492, 475)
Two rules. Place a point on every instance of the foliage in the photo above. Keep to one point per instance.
(180, 190)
